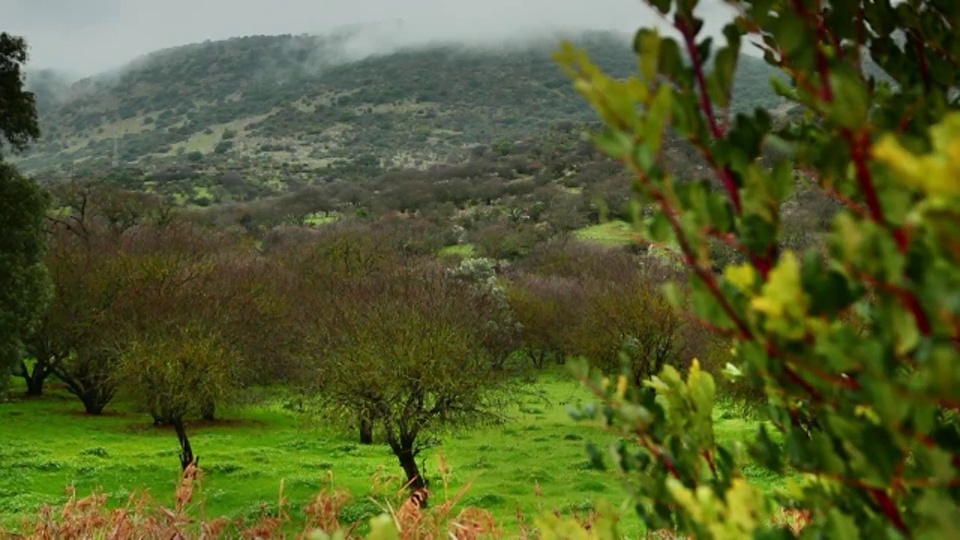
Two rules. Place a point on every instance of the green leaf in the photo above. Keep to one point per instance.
(850, 99)
(647, 46)
(660, 229)
(657, 117)
(662, 5)
(616, 144)
(840, 525)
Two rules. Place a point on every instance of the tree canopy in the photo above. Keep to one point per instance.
(23, 281)
(18, 113)
(24, 285)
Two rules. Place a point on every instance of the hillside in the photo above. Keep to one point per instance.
(302, 108)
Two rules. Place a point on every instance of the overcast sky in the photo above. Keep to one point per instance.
(84, 37)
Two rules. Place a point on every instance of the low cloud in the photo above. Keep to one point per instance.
(92, 36)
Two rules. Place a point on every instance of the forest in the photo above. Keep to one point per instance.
(688, 315)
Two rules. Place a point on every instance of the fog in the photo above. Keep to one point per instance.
(85, 37)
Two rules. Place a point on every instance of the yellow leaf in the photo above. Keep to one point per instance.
(742, 276)
(783, 299)
(621, 386)
(937, 174)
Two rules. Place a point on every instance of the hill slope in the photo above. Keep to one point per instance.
(298, 107)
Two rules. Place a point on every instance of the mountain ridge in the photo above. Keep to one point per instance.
(276, 107)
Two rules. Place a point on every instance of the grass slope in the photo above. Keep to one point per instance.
(48, 443)
(611, 233)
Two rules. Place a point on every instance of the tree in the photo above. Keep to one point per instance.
(176, 372)
(499, 331)
(856, 346)
(24, 283)
(546, 307)
(625, 323)
(18, 113)
(91, 238)
(326, 266)
(405, 351)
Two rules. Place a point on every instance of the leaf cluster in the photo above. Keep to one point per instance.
(853, 342)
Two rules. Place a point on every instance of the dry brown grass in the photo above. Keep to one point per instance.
(143, 518)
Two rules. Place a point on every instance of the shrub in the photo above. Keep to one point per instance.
(855, 346)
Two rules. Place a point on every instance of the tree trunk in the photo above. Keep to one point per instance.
(94, 394)
(186, 452)
(403, 448)
(92, 402)
(34, 379)
(366, 430)
(408, 460)
(209, 411)
(536, 357)
(35, 383)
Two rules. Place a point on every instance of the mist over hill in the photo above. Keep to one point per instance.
(320, 107)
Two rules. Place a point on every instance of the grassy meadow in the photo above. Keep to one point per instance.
(247, 455)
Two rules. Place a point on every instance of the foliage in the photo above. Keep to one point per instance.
(18, 114)
(24, 282)
(855, 345)
(404, 349)
(499, 331)
(626, 323)
(544, 307)
(306, 107)
(179, 375)
(92, 240)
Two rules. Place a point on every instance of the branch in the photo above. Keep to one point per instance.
(907, 298)
(725, 173)
(639, 432)
(688, 253)
(889, 509)
(921, 50)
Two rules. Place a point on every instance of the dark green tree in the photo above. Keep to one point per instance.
(23, 278)
(23, 282)
(18, 113)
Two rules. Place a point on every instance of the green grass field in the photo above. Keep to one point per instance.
(462, 251)
(48, 443)
(613, 233)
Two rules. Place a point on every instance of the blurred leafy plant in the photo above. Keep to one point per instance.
(854, 342)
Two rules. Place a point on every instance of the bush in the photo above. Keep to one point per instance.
(853, 342)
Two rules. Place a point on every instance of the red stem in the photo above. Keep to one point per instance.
(889, 509)
(823, 35)
(858, 144)
(683, 25)
(688, 254)
(709, 458)
(922, 55)
(725, 174)
(909, 301)
(859, 150)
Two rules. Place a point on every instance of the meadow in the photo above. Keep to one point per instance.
(535, 463)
